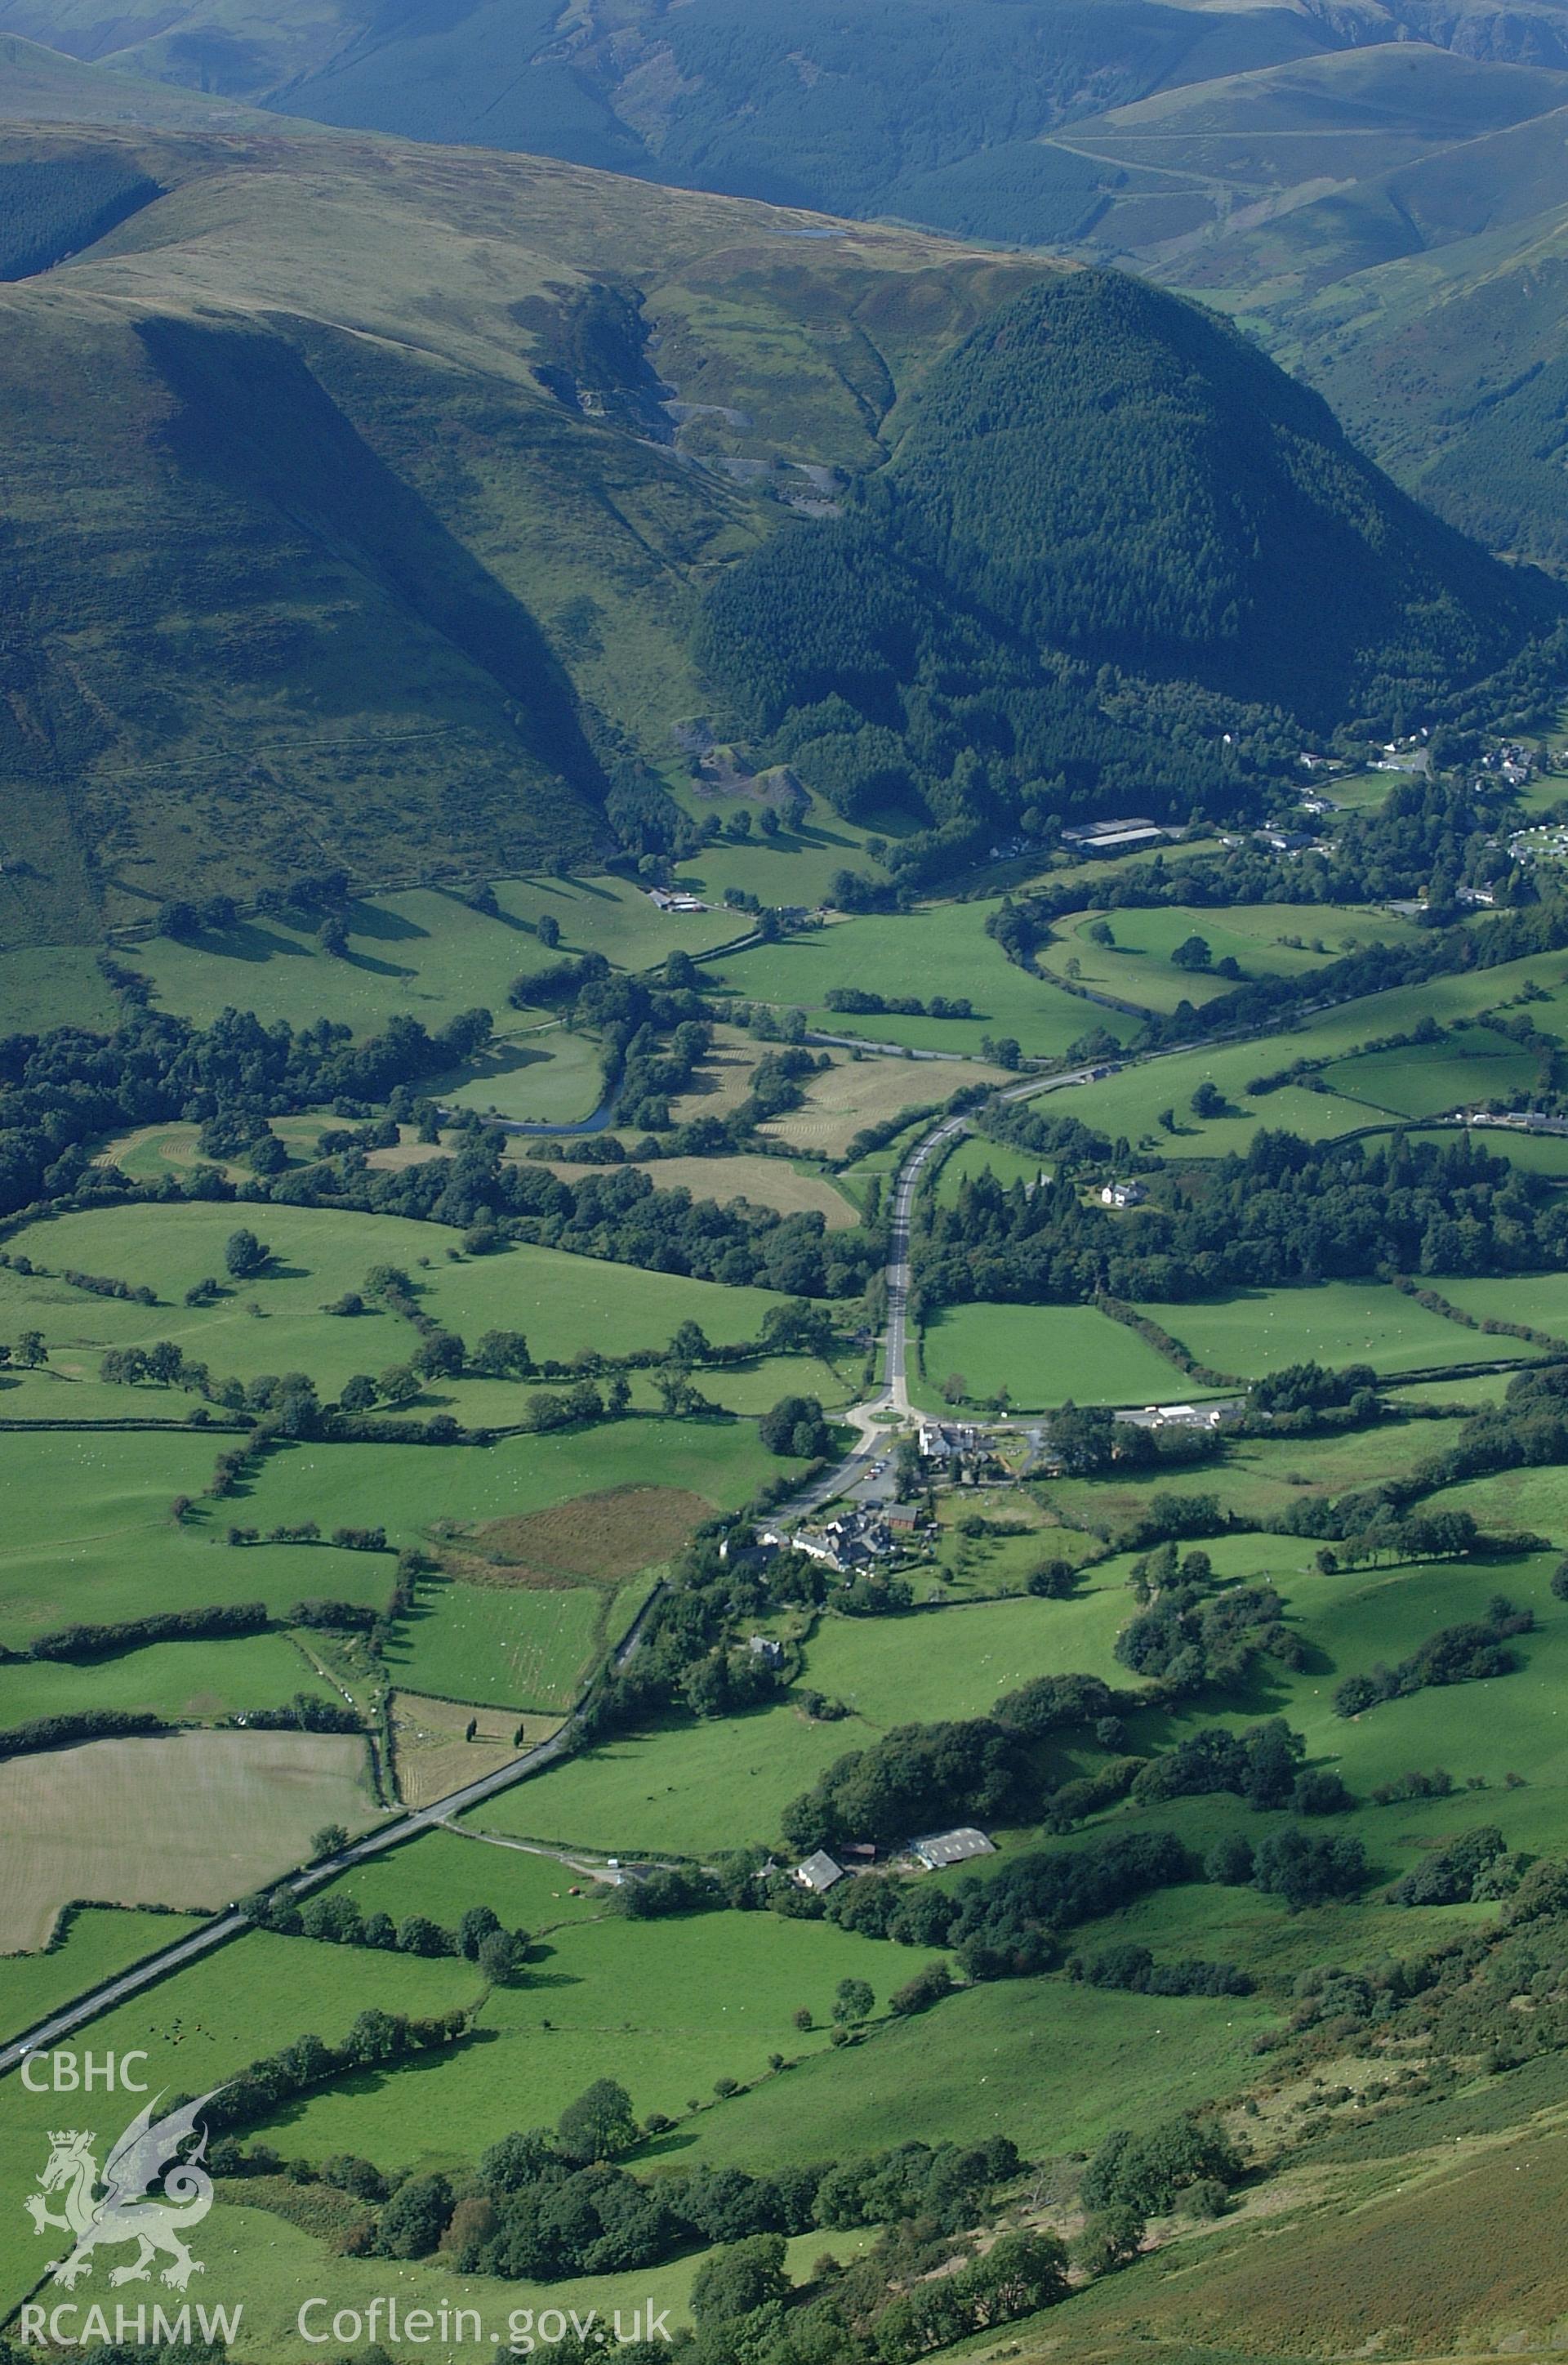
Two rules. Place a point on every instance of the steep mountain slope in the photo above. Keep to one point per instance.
(366, 528)
(1261, 156)
(1108, 512)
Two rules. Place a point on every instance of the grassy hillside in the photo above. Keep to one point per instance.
(264, 613)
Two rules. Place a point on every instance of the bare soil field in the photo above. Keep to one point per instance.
(854, 1093)
(192, 1820)
(594, 1539)
(765, 1182)
(433, 1757)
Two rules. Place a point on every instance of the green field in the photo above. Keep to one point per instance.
(794, 867)
(1055, 2066)
(425, 953)
(446, 1871)
(941, 949)
(1043, 1354)
(546, 1075)
(513, 1647)
(1539, 1300)
(91, 1536)
(974, 1156)
(1434, 1078)
(203, 1679)
(685, 1789)
(53, 985)
(1129, 1103)
(957, 1662)
(676, 2004)
(561, 1303)
(99, 1943)
(1139, 967)
(414, 1489)
(1257, 1331)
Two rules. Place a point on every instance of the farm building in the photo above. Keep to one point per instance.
(819, 1873)
(939, 1849)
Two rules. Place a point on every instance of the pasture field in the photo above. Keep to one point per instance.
(418, 1491)
(91, 1538)
(1139, 967)
(957, 1662)
(190, 1821)
(562, 1303)
(685, 1789)
(763, 1181)
(750, 1388)
(1043, 1355)
(53, 985)
(446, 1871)
(1054, 2065)
(1129, 1103)
(422, 952)
(854, 1093)
(721, 1081)
(99, 1942)
(972, 1155)
(609, 915)
(1259, 1478)
(795, 866)
(1257, 1331)
(941, 949)
(200, 1679)
(1360, 791)
(1532, 1153)
(266, 2263)
(1433, 1079)
(202, 2024)
(514, 1646)
(547, 1074)
(968, 1568)
(1537, 1299)
(677, 2003)
(433, 1754)
(150, 1151)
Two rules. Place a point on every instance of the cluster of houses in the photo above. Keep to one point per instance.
(854, 1539)
(934, 1853)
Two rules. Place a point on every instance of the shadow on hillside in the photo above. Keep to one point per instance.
(374, 921)
(252, 419)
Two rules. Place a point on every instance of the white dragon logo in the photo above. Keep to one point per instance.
(127, 2210)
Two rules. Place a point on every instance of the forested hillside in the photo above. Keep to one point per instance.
(1107, 514)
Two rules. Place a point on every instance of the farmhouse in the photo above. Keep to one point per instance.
(943, 1441)
(818, 1873)
(1122, 1194)
(939, 1849)
(765, 1648)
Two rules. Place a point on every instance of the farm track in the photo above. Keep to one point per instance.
(216, 1932)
